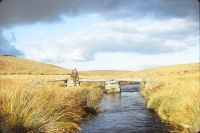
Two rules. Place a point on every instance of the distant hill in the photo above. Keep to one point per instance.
(173, 70)
(17, 65)
(104, 73)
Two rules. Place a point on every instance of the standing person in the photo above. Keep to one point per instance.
(75, 76)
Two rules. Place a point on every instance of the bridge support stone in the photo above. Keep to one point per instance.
(112, 86)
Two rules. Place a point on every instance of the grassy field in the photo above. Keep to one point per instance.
(29, 102)
(17, 65)
(174, 93)
(105, 74)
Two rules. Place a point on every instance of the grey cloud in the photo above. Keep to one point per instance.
(171, 28)
(18, 12)
(13, 12)
(7, 48)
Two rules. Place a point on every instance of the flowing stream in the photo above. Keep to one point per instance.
(124, 113)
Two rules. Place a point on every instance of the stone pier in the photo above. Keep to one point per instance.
(111, 85)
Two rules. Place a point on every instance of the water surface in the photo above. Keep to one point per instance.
(124, 113)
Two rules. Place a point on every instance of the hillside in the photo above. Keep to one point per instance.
(165, 71)
(18, 65)
(172, 71)
(173, 94)
(175, 68)
(105, 73)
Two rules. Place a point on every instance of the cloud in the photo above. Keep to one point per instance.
(119, 36)
(7, 48)
(174, 27)
(122, 35)
(16, 12)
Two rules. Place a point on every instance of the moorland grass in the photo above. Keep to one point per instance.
(43, 106)
(175, 96)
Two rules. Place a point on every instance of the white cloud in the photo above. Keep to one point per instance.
(141, 36)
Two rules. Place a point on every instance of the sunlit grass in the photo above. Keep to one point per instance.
(176, 98)
(44, 106)
(17, 65)
(32, 103)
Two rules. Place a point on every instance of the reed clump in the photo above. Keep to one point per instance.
(176, 102)
(44, 107)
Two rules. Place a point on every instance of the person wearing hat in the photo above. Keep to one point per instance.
(75, 77)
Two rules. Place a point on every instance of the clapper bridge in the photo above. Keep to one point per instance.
(111, 85)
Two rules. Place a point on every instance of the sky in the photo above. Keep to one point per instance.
(101, 34)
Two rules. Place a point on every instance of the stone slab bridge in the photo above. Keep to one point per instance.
(111, 85)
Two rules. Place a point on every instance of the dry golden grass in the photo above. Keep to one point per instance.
(155, 73)
(16, 65)
(105, 74)
(174, 94)
(30, 105)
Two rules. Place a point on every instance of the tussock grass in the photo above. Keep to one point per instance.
(44, 107)
(176, 98)
(173, 94)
